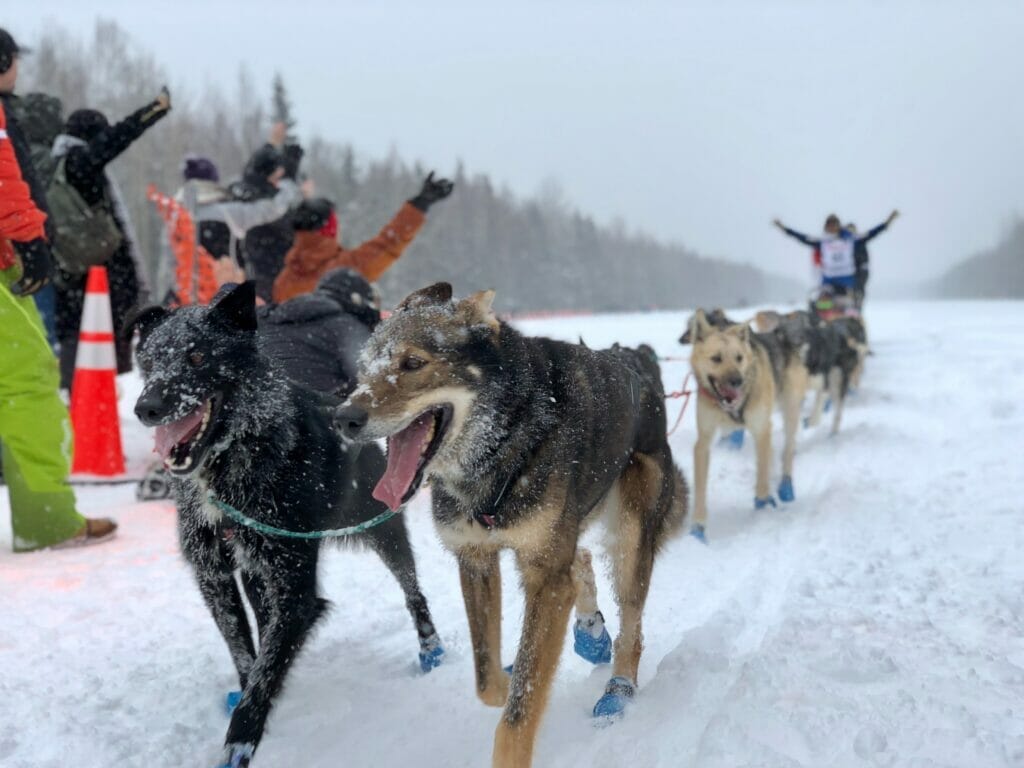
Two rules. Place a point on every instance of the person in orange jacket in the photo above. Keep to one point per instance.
(316, 250)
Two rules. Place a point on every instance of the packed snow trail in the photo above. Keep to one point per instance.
(876, 621)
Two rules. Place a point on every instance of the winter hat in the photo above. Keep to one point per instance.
(314, 214)
(263, 162)
(86, 124)
(9, 50)
(198, 167)
(355, 295)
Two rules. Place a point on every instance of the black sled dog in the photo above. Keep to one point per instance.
(525, 441)
(233, 430)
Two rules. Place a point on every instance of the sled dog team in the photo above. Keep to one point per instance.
(525, 441)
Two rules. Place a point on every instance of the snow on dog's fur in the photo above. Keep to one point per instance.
(230, 426)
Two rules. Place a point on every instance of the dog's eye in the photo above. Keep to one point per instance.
(412, 363)
(739, 358)
(196, 359)
(716, 359)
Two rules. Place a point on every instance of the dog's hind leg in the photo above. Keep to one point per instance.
(391, 542)
(255, 590)
(292, 609)
(818, 384)
(547, 582)
(591, 640)
(480, 574)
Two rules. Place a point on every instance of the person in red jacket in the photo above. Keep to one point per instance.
(316, 250)
(34, 430)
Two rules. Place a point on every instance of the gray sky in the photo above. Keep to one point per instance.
(695, 121)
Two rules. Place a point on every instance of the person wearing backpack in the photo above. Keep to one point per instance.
(92, 224)
(41, 118)
(34, 426)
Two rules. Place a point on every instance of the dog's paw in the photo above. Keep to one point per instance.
(591, 640)
(237, 755)
(231, 701)
(764, 503)
(698, 532)
(617, 695)
(431, 658)
(828, 405)
(786, 489)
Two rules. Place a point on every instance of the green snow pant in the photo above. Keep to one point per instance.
(35, 431)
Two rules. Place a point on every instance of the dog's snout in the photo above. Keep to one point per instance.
(735, 381)
(150, 408)
(350, 420)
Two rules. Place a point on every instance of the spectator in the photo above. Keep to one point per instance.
(265, 246)
(317, 251)
(84, 150)
(34, 428)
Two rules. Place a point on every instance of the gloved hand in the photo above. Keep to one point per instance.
(158, 108)
(432, 192)
(36, 266)
(292, 156)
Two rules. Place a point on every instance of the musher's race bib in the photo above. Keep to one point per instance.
(837, 257)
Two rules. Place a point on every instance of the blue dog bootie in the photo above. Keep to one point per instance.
(617, 695)
(734, 440)
(767, 501)
(786, 489)
(698, 532)
(231, 701)
(591, 640)
(431, 653)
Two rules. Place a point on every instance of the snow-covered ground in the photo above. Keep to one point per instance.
(876, 621)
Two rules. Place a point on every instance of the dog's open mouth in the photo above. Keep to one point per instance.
(179, 443)
(409, 452)
(728, 396)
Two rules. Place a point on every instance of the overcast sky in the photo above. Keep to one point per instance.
(695, 121)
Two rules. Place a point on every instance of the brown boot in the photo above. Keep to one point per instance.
(95, 530)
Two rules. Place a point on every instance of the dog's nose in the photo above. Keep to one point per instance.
(735, 382)
(350, 420)
(150, 408)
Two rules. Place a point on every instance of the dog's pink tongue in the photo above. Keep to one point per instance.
(169, 435)
(404, 451)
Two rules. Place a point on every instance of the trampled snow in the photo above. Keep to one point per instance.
(876, 621)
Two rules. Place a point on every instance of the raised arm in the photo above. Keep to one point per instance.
(876, 231)
(811, 241)
(243, 215)
(112, 141)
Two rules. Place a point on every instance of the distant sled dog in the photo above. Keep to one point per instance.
(741, 375)
(231, 428)
(525, 442)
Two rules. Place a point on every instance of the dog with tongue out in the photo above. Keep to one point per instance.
(525, 442)
(233, 430)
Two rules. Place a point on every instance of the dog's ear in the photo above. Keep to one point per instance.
(699, 326)
(742, 332)
(438, 293)
(479, 309)
(236, 307)
(143, 318)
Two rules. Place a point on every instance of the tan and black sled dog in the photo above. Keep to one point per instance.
(741, 375)
(525, 441)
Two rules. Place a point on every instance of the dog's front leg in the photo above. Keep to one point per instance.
(292, 608)
(760, 425)
(701, 460)
(480, 573)
(549, 597)
(215, 577)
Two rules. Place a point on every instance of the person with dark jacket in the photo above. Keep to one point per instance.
(861, 259)
(316, 250)
(89, 144)
(34, 424)
(265, 246)
(837, 248)
(317, 337)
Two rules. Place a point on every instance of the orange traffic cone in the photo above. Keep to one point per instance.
(93, 392)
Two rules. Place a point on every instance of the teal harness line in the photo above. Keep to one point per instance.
(242, 519)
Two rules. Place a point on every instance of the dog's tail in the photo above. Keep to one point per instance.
(675, 503)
